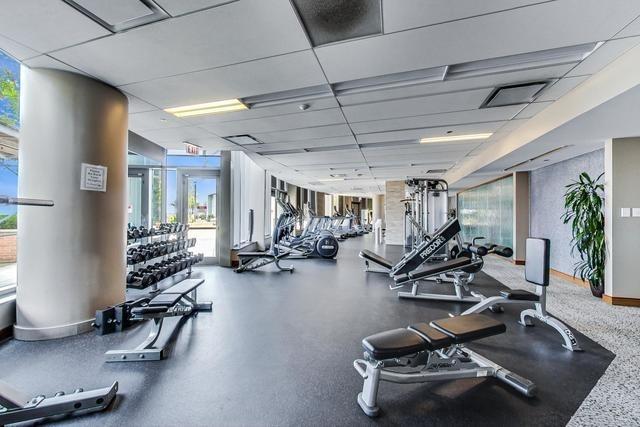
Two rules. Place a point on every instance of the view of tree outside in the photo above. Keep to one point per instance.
(9, 91)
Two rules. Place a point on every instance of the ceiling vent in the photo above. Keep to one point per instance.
(390, 81)
(330, 21)
(436, 171)
(119, 15)
(288, 96)
(514, 94)
(242, 140)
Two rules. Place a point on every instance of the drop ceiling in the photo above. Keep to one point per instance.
(208, 50)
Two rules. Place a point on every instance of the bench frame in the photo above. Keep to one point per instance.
(452, 363)
(186, 306)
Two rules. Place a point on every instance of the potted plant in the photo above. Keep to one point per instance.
(583, 202)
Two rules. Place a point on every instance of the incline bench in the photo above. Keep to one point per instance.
(178, 300)
(431, 352)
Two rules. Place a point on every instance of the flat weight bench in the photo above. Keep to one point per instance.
(536, 271)
(179, 300)
(429, 353)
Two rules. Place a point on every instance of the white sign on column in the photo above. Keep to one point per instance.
(93, 177)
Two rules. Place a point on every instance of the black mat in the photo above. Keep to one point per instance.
(278, 350)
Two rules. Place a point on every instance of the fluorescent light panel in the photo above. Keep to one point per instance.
(207, 108)
(453, 138)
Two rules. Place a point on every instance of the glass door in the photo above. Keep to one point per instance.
(138, 199)
(198, 201)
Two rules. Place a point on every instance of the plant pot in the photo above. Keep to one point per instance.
(597, 289)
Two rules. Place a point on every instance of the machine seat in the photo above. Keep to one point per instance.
(434, 269)
(165, 300)
(520, 295)
(434, 338)
(184, 287)
(374, 257)
(470, 327)
(394, 343)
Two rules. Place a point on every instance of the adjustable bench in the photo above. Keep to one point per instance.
(179, 300)
(458, 271)
(537, 260)
(431, 352)
(382, 262)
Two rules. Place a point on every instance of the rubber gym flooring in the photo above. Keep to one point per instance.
(278, 350)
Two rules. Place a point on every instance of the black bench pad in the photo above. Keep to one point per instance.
(434, 269)
(519, 295)
(184, 287)
(372, 256)
(434, 338)
(470, 327)
(165, 300)
(394, 343)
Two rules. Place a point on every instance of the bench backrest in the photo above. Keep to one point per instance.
(538, 254)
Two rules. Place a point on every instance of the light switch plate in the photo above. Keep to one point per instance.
(625, 212)
(635, 212)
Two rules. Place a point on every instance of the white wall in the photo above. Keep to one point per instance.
(248, 192)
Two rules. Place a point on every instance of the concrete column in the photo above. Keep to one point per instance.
(378, 208)
(394, 212)
(71, 257)
(319, 203)
(520, 215)
(622, 175)
(225, 211)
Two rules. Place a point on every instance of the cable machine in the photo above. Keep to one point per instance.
(426, 209)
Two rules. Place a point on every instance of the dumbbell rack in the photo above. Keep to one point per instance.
(164, 237)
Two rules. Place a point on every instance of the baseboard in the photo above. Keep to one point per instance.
(6, 333)
(569, 278)
(629, 302)
(518, 261)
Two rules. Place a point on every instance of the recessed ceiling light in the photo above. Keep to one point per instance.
(456, 138)
(207, 108)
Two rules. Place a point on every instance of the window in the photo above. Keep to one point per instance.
(9, 124)
(487, 211)
(172, 196)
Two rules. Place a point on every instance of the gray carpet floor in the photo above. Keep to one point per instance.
(615, 400)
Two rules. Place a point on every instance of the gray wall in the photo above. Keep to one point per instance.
(547, 204)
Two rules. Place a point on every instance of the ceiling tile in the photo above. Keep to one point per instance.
(45, 61)
(334, 158)
(175, 135)
(278, 123)
(457, 101)
(291, 71)
(17, 50)
(491, 80)
(560, 88)
(604, 55)
(302, 134)
(404, 14)
(306, 143)
(539, 27)
(270, 111)
(436, 120)
(212, 38)
(415, 134)
(136, 105)
(179, 7)
(633, 29)
(151, 120)
(46, 25)
(533, 109)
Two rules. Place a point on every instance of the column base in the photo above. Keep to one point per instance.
(38, 334)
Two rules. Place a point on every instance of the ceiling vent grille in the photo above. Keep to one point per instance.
(243, 140)
(523, 93)
(545, 154)
(436, 171)
(120, 15)
(330, 21)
